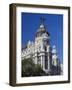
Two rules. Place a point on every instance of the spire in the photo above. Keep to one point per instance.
(42, 28)
(42, 20)
(42, 23)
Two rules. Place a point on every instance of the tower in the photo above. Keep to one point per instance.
(56, 69)
(42, 45)
(54, 56)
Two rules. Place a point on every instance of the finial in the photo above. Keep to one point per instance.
(42, 20)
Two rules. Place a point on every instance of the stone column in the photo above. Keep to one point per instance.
(48, 62)
(41, 61)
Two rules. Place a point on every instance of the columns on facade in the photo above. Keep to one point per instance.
(36, 58)
(49, 57)
(49, 64)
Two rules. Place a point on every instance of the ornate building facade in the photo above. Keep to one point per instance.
(42, 53)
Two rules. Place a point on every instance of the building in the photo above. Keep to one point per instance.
(42, 53)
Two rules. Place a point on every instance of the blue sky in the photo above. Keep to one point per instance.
(53, 23)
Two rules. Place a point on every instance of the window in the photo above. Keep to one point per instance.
(46, 62)
(45, 48)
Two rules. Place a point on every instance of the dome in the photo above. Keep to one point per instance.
(41, 26)
(41, 30)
